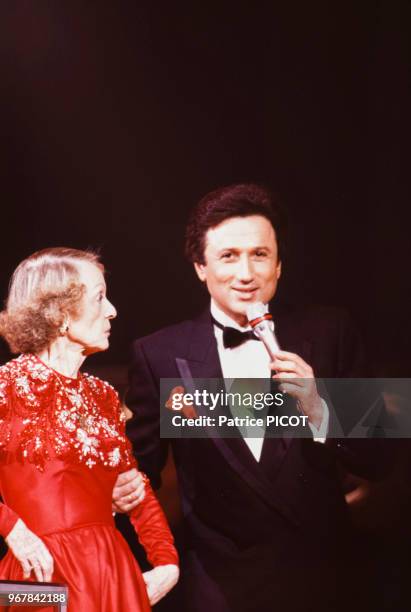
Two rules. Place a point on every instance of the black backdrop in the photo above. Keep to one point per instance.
(117, 116)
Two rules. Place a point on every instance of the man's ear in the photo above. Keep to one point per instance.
(279, 269)
(200, 269)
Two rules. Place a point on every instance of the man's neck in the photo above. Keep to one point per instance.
(225, 319)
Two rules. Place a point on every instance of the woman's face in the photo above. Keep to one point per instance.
(92, 329)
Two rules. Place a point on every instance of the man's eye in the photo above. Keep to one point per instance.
(100, 297)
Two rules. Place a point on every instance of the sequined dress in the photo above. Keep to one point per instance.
(62, 446)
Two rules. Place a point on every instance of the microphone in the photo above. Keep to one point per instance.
(259, 319)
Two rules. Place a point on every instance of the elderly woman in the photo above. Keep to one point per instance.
(62, 445)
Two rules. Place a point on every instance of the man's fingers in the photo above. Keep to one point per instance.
(126, 477)
(284, 356)
(287, 356)
(285, 366)
(141, 491)
(136, 486)
(131, 505)
(299, 380)
(119, 492)
(127, 506)
(301, 370)
(289, 388)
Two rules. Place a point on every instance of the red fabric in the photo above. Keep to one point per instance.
(68, 505)
(8, 519)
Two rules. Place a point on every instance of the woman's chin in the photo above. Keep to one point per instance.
(90, 350)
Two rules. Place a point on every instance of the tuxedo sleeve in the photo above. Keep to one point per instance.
(143, 429)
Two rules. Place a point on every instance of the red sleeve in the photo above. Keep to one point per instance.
(8, 517)
(152, 529)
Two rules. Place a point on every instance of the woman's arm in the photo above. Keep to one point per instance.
(152, 530)
(156, 538)
(25, 545)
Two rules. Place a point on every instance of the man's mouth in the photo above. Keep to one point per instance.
(245, 292)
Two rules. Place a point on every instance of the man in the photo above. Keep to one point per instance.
(266, 519)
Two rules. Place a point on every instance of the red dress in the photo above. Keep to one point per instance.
(62, 446)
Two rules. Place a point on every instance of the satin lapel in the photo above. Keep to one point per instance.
(202, 354)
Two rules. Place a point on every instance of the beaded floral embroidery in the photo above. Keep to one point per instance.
(79, 419)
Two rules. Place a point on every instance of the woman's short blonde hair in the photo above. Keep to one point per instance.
(44, 292)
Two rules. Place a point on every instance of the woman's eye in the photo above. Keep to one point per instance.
(261, 254)
(226, 256)
(100, 297)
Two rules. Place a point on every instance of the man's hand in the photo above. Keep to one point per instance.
(31, 552)
(129, 491)
(159, 581)
(297, 379)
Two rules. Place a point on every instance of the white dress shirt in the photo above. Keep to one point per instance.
(251, 360)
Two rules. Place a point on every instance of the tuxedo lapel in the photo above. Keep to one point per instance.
(202, 355)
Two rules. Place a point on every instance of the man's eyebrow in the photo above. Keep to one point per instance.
(236, 249)
(228, 248)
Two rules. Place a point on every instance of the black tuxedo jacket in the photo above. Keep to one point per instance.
(255, 526)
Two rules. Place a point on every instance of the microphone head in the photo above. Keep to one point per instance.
(262, 325)
(256, 310)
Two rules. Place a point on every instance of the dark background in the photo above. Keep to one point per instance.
(116, 117)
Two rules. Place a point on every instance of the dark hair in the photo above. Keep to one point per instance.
(241, 200)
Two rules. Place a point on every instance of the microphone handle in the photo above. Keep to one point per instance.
(267, 338)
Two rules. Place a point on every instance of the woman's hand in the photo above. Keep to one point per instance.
(31, 551)
(160, 580)
(129, 491)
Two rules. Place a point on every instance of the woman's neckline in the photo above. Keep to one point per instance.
(57, 372)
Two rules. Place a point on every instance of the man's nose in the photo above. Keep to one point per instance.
(245, 271)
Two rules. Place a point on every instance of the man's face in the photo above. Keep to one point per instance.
(242, 264)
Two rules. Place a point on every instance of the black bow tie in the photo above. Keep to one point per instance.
(234, 337)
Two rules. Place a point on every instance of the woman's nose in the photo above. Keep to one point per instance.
(111, 311)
